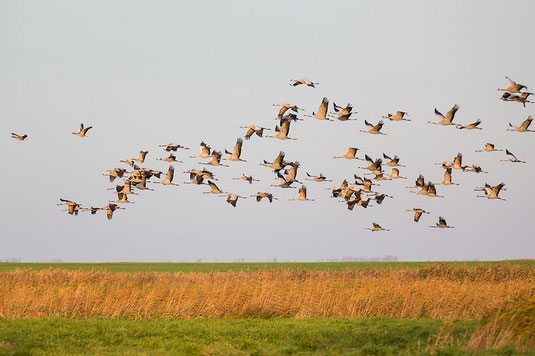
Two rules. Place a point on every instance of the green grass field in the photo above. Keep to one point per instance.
(222, 267)
(230, 337)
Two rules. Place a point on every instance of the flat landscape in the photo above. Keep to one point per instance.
(262, 308)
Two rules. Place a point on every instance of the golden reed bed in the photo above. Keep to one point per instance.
(436, 291)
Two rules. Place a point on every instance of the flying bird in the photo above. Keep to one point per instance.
(398, 116)
(523, 127)
(489, 147)
(322, 110)
(445, 120)
(417, 213)
(253, 129)
(82, 131)
(296, 82)
(19, 137)
(472, 126)
(512, 158)
(302, 196)
(236, 152)
(513, 87)
(441, 224)
(376, 227)
(261, 195)
(374, 129)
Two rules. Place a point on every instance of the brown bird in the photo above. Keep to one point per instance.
(232, 199)
(285, 107)
(351, 153)
(260, 195)
(93, 210)
(512, 158)
(392, 162)
(492, 192)
(523, 127)
(374, 129)
(376, 227)
(110, 209)
(395, 174)
(398, 116)
(170, 158)
(475, 168)
(277, 164)
(283, 182)
(247, 178)
(214, 187)
(322, 111)
(380, 197)
(418, 213)
(342, 114)
(236, 152)
(296, 82)
(72, 207)
(19, 137)
(283, 130)
(122, 198)
(445, 120)
(489, 147)
(447, 178)
(168, 180)
(173, 147)
(141, 156)
(216, 159)
(472, 126)
(420, 182)
(441, 224)
(513, 87)
(253, 129)
(320, 178)
(205, 151)
(115, 173)
(302, 195)
(82, 131)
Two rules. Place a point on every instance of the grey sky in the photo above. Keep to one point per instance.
(148, 73)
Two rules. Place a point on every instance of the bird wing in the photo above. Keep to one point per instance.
(439, 115)
(496, 189)
(237, 148)
(249, 133)
(526, 123)
(282, 111)
(303, 192)
(170, 174)
(451, 114)
(447, 175)
(378, 126)
(417, 216)
(285, 128)
(376, 225)
(368, 124)
(510, 82)
(510, 155)
(322, 111)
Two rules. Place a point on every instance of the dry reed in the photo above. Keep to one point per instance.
(437, 291)
(513, 327)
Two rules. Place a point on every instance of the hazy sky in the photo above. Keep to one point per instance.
(148, 73)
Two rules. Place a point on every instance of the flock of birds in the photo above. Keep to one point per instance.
(359, 193)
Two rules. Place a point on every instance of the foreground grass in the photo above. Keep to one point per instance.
(252, 266)
(237, 336)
